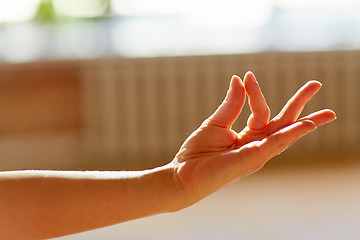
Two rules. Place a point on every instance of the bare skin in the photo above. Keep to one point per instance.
(45, 204)
(215, 155)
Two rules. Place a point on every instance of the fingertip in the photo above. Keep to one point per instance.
(235, 76)
(229, 110)
(250, 83)
(235, 81)
(236, 90)
(314, 83)
(330, 113)
(249, 76)
(327, 115)
(321, 117)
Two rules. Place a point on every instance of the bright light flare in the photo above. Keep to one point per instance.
(18, 10)
(228, 13)
(240, 13)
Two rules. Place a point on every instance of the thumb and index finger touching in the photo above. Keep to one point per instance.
(231, 107)
(282, 131)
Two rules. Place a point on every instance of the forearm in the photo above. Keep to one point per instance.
(43, 204)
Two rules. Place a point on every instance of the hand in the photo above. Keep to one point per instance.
(214, 155)
(48, 204)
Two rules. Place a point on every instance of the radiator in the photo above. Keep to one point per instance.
(141, 110)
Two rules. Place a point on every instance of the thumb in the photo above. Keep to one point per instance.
(229, 110)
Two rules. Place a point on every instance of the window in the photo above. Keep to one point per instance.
(67, 29)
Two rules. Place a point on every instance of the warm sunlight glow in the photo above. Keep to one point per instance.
(17, 10)
(240, 13)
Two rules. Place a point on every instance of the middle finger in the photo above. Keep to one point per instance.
(294, 106)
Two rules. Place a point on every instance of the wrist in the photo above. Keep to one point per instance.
(168, 191)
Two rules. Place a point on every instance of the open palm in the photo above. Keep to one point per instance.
(215, 155)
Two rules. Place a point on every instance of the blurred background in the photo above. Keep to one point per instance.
(120, 84)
